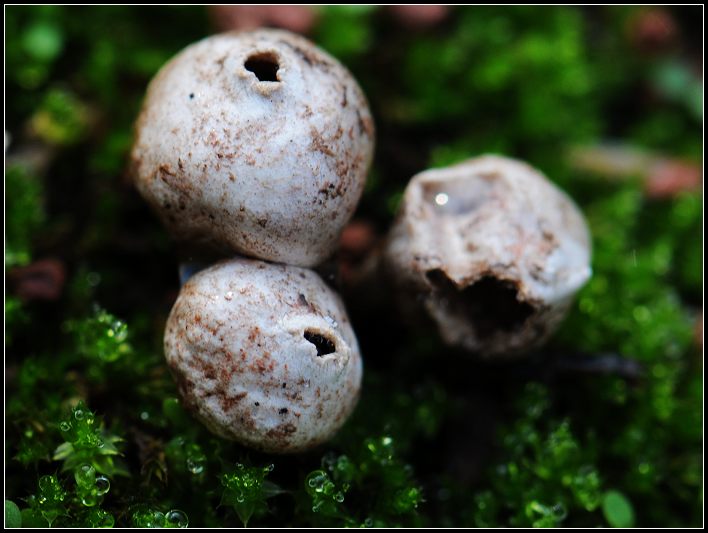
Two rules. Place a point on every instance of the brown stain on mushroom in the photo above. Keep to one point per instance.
(366, 125)
(311, 57)
(228, 402)
(318, 143)
(281, 432)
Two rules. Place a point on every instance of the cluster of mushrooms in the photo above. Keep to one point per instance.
(257, 145)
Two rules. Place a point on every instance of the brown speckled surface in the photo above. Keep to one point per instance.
(267, 169)
(235, 344)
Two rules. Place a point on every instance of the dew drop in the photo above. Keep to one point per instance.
(46, 483)
(176, 518)
(79, 414)
(195, 466)
(103, 485)
(229, 296)
(65, 426)
(89, 500)
(85, 476)
(100, 518)
(158, 519)
(93, 278)
(559, 511)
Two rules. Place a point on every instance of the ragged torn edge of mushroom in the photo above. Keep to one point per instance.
(488, 250)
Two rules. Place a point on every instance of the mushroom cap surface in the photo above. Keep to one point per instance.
(256, 143)
(494, 250)
(264, 354)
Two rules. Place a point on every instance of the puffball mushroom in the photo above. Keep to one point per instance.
(256, 143)
(493, 250)
(264, 354)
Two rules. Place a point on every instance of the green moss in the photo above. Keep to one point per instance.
(24, 215)
(13, 516)
(86, 443)
(95, 430)
(547, 473)
(246, 490)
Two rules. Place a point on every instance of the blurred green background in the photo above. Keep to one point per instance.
(603, 427)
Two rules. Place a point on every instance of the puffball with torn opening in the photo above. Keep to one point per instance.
(256, 143)
(492, 250)
(264, 354)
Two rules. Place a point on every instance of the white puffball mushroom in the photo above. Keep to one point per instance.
(264, 354)
(256, 143)
(493, 250)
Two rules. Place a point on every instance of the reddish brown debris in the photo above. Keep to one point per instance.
(357, 239)
(356, 244)
(419, 16)
(667, 178)
(41, 280)
(662, 176)
(698, 331)
(653, 30)
(299, 19)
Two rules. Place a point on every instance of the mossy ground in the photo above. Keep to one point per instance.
(602, 427)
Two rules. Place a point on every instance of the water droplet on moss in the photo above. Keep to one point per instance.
(103, 485)
(85, 476)
(176, 518)
(89, 499)
(100, 518)
(195, 466)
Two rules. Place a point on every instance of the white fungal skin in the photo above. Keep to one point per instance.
(494, 251)
(236, 344)
(267, 169)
